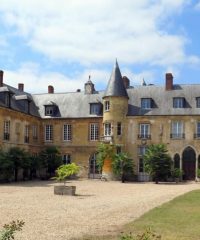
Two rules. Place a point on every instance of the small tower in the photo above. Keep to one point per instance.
(89, 86)
(115, 102)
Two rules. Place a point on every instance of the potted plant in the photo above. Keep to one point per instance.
(177, 173)
(62, 173)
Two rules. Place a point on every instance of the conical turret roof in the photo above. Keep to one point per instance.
(115, 85)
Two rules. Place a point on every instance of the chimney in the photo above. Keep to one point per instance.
(50, 89)
(21, 87)
(1, 78)
(126, 82)
(169, 82)
(89, 86)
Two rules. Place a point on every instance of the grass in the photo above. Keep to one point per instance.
(178, 219)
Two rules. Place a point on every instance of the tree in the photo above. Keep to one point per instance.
(19, 158)
(104, 151)
(50, 159)
(122, 165)
(157, 162)
(6, 167)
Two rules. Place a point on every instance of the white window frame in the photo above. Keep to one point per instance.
(144, 130)
(26, 133)
(107, 106)
(6, 130)
(142, 150)
(49, 110)
(67, 157)
(178, 102)
(48, 133)
(198, 102)
(146, 103)
(67, 132)
(177, 129)
(198, 129)
(107, 129)
(94, 132)
(35, 131)
(94, 109)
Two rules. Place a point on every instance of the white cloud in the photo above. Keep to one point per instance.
(36, 81)
(197, 6)
(98, 31)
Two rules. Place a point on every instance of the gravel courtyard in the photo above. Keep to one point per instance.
(99, 207)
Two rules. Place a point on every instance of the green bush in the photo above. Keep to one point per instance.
(177, 173)
(122, 165)
(65, 171)
(157, 162)
(8, 231)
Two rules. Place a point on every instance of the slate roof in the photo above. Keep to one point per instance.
(163, 100)
(17, 98)
(77, 104)
(70, 105)
(115, 85)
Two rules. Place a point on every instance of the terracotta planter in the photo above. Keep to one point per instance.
(65, 190)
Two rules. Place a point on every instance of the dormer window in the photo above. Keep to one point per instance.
(178, 102)
(107, 106)
(7, 99)
(49, 110)
(23, 102)
(95, 108)
(5, 95)
(198, 102)
(146, 103)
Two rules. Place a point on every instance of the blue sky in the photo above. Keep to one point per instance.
(62, 42)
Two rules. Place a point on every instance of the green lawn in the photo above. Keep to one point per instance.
(178, 219)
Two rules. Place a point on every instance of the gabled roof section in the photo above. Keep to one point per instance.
(115, 85)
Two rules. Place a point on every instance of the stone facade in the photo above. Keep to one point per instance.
(131, 118)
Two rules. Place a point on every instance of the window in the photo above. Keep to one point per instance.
(119, 129)
(6, 135)
(144, 131)
(178, 102)
(176, 161)
(7, 99)
(26, 134)
(67, 132)
(107, 105)
(198, 102)
(49, 133)
(177, 129)
(141, 152)
(197, 134)
(146, 103)
(94, 131)
(34, 132)
(107, 129)
(67, 158)
(118, 149)
(24, 105)
(49, 110)
(95, 108)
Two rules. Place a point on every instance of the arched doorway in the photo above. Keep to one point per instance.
(176, 161)
(93, 168)
(189, 162)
